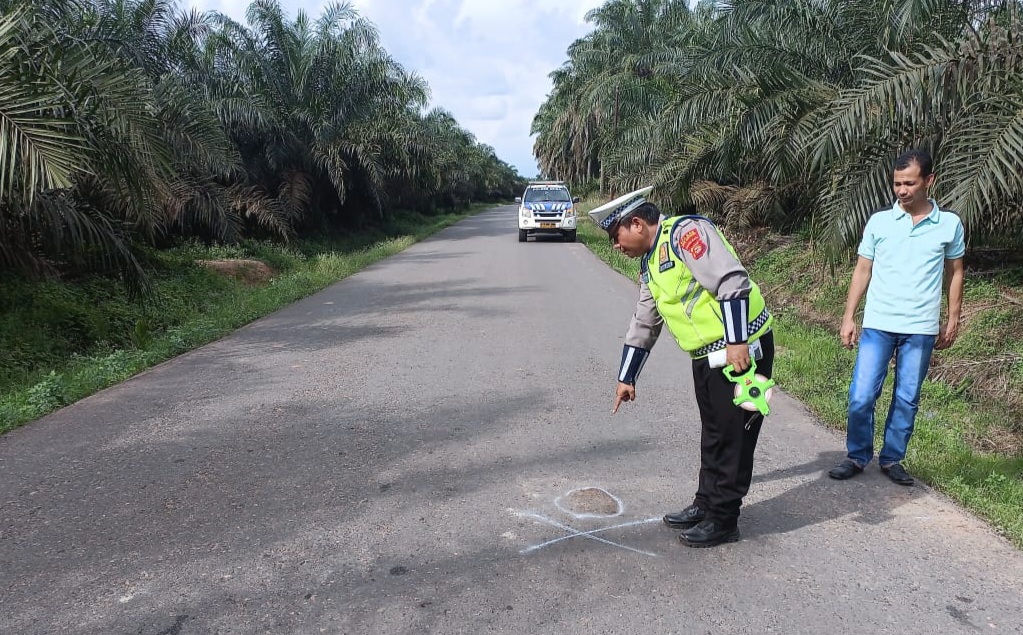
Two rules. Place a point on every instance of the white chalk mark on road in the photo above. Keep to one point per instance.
(590, 535)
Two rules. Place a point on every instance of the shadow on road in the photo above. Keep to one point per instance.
(869, 498)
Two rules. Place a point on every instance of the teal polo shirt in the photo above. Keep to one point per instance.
(904, 295)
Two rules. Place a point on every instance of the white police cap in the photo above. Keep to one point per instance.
(609, 213)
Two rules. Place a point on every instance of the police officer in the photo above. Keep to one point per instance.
(692, 280)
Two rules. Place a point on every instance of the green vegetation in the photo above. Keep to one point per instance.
(137, 138)
(62, 341)
(968, 441)
(790, 114)
(128, 125)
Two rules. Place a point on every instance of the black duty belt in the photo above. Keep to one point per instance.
(754, 326)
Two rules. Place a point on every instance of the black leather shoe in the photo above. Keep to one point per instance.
(845, 469)
(897, 473)
(684, 519)
(709, 533)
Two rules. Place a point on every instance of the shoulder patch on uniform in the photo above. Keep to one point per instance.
(664, 261)
(692, 243)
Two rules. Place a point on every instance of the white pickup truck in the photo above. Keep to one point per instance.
(546, 207)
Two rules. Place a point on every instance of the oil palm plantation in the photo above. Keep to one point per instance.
(960, 95)
(316, 105)
(790, 113)
(611, 82)
(131, 123)
(80, 153)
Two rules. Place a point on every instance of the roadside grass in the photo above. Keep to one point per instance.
(968, 441)
(63, 341)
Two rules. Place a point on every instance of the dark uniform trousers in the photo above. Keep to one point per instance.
(726, 444)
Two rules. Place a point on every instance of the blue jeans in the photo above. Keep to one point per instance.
(912, 357)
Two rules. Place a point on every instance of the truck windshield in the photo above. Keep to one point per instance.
(546, 195)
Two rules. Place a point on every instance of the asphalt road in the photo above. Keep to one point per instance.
(404, 453)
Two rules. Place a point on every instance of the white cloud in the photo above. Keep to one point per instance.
(487, 61)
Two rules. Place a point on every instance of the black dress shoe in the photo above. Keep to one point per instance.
(897, 473)
(845, 469)
(684, 519)
(708, 534)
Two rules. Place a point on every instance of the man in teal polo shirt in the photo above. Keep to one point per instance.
(905, 252)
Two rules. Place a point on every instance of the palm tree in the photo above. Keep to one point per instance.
(789, 113)
(961, 97)
(205, 191)
(614, 78)
(566, 132)
(328, 103)
(131, 122)
(80, 154)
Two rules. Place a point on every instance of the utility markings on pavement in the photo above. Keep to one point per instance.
(585, 502)
(571, 532)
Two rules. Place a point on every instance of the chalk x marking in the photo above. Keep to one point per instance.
(575, 533)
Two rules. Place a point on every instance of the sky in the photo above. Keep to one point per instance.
(487, 61)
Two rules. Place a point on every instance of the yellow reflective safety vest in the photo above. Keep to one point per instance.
(691, 313)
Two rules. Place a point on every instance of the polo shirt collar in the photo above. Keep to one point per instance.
(932, 216)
